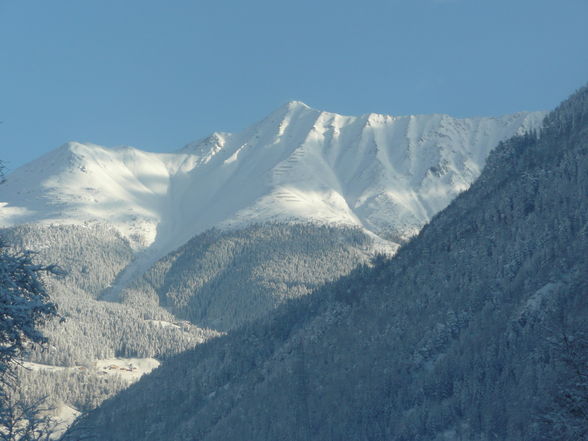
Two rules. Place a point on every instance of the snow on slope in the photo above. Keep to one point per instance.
(82, 182)
(386, 174)
(128, 369)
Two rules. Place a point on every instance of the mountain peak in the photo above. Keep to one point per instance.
(290, 108)
(295, 105)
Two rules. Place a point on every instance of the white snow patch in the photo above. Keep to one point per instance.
(130, 369)
(541, 299)
(64, 417)
(163, 324)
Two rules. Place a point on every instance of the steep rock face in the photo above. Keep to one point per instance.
(450, 339)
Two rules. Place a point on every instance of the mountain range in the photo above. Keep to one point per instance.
(387, 175)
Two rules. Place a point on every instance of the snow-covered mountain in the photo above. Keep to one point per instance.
(386, 174)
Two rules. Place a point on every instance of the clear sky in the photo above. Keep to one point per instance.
(158, 74)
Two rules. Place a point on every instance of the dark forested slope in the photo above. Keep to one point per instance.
(457, 337)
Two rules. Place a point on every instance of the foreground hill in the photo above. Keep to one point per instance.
(454, 338)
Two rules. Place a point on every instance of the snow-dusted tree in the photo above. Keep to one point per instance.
(24, 303)
(567, 416)
(22, 419)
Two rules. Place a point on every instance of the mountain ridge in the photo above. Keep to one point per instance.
(298, 163)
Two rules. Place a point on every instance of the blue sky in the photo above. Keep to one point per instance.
(159, 74)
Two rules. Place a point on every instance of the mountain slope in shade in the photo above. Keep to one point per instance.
(386, 174)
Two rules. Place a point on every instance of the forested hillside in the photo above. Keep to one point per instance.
(466, 334)
(90, 257)
(93, 254)
(221, 279)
